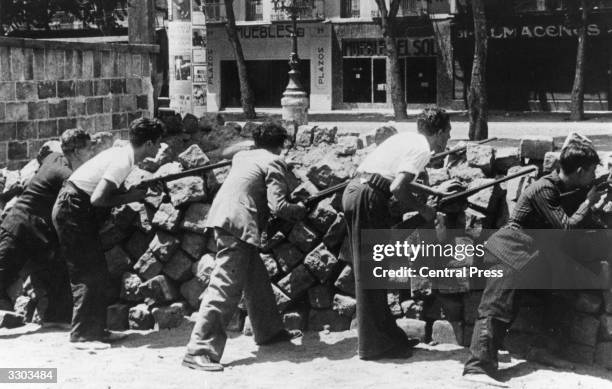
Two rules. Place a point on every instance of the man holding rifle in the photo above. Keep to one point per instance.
(96, 185)
(255, 188)
(388, 171)
(517, 250)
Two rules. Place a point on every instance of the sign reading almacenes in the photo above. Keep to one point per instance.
(536, 31)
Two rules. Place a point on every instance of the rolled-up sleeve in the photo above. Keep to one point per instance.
(413, 162)
(278, 192)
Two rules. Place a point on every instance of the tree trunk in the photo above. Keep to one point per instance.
(246, 93)
(577, 102)
(397, 88)
(477, 94)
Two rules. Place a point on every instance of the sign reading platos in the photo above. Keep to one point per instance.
(406, 47)
(536, 31)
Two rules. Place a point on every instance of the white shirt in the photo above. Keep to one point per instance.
(406, 152)
(113, 164)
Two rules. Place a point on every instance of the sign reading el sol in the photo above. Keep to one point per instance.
(406, 47)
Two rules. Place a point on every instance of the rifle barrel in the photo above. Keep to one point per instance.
(469, 192)
(458, 149)
(325, 192)
(191, 172)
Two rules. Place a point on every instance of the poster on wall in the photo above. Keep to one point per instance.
(180, 61)
(199, 73)
(182, 67)
(199, 99)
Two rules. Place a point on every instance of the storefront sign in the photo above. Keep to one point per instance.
(535, 31)
(406, 47)
(268, 32)
(319, 58)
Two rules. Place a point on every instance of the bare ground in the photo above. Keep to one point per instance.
(152, 360)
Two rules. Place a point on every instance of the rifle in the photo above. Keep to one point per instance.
(457, 150)
(602, 183)
(175, 176)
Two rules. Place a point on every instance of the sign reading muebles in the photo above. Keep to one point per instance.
(406, 47)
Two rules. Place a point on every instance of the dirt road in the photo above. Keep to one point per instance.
(152, 360)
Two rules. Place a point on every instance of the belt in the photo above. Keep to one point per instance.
(376, 181)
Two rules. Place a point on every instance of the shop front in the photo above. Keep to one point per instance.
(266, 49)
(532, 62)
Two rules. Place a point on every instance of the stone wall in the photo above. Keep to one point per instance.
(47, 87)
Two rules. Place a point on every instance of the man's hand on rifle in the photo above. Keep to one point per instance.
(136, 194)
(594, 196)
(300, 211)
(451, 186)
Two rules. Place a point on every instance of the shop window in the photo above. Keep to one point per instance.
(349, 8)
(254, 10)
(364, 80)
(214, 10)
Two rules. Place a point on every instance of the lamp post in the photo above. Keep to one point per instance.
(295, 101)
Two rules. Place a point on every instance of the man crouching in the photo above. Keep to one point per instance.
(255, 188)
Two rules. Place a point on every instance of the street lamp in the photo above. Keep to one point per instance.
(294, 101)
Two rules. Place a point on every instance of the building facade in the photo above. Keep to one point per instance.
(532, 54)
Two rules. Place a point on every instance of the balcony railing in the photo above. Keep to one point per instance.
(317, 13)
(214, 11)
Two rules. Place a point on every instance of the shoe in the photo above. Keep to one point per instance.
(397, 352)
(282, 336)
(201, 362)
(484, 379)
(112, 336)
(93, 345)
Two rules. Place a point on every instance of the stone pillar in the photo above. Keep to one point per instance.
(141, 21)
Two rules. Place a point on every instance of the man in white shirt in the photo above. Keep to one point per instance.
(96, 184)
(387, 172)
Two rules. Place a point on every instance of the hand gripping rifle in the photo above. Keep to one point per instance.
(602, 183)
(198, 171)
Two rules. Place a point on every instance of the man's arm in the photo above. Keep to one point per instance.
(547, 201)
(107, 195)
(401, 190)
(278, 194)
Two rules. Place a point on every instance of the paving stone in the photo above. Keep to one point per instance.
(323, 215)
(321, 263)
(297, 282)
(186, 190)
(288, 256)
(324, 135)
(159, 289)
(117, 261)
(193, 157)
(164, 245)
(270, 264)
(304, 136)
(282, 300)
(148, 266)
(328, 172)
(178, 267)
(195, 218)
(444, 331)
(194, 244)
(413, 328)
(169, 317)
(535, 147)
(304, 237)
(348, 145)
(139, 318)
(167, 217)
(137, 245)
(129, 287)
(344, 305)
(10, 319)
(294, 321)
(505, 158)
(480, 156)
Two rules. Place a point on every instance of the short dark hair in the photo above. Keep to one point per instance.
(145, 129)
(270, 134)
(432, 120)
(74, 138)
(577, 154)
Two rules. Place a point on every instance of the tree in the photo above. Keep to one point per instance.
(477, 93)
(387, 23)
(247, 99)
(577, 98)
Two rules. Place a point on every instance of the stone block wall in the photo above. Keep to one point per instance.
(47, 87)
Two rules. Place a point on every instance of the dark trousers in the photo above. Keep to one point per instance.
(368, 208)
(77, 230)
(48, 275)
(496, 311)
(238, 268)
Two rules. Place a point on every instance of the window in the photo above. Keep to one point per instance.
(254, 10)
(364, 80)
(214, 10)
(317, 12)
(349, 8)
